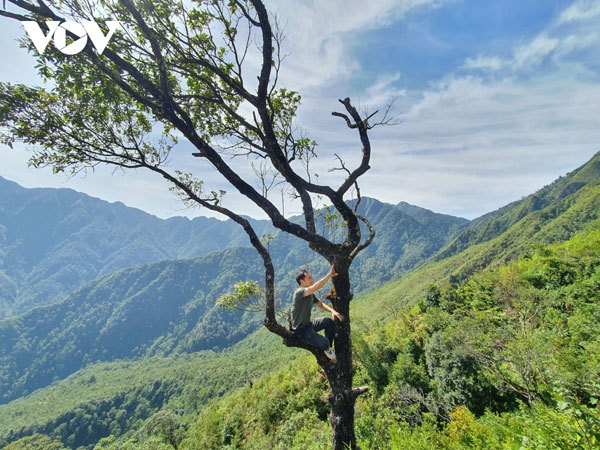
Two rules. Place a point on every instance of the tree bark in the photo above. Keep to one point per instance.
(340, 375)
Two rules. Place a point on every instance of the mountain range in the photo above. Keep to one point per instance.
(55, 240)
(159, 308)
(167, 307)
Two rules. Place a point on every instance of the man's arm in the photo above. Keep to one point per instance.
(319, 284)
(334, 313)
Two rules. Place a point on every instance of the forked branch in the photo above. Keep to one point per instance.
(363, 219)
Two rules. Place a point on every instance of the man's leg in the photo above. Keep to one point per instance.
(308, 335)
(325, 323)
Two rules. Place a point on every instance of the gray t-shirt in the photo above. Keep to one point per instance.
(301, 308)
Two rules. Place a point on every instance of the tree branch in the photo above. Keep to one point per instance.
(369, 240)
(14, 16)
(346, 118)
(366, 146)
(246, 14)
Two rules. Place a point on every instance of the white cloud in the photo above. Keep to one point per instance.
(383, 90)
(580, 11)
(557, 42)
(471, 145)
(485, 63)
(533, 54)
(525, 57)
(320, 34)
(487, 135)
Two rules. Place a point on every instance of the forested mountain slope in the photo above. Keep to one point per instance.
(117, 397)
(53, 241)
(154, 309)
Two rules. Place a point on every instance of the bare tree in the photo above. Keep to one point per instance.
(187, 73)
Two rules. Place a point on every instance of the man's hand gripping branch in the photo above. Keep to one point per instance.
(318, 285)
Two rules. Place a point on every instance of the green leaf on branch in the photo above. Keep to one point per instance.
(245, 296)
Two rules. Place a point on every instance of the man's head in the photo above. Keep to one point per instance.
(304, 278)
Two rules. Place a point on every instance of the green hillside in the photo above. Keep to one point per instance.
(557, 222)
(426, 364)
(508, 359)
(295, 407)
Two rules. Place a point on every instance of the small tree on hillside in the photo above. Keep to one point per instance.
(186, 72)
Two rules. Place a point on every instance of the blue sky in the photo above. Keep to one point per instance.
(431, 42)
(496, 99)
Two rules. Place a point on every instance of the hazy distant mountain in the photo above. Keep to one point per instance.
(55, 240)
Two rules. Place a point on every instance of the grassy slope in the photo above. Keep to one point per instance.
(558, 222)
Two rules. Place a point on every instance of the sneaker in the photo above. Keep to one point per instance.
(331, 355)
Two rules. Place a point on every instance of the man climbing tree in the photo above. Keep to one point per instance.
(306, 329)
(206, 74)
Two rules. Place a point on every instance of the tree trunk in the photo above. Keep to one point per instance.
(340, 375)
